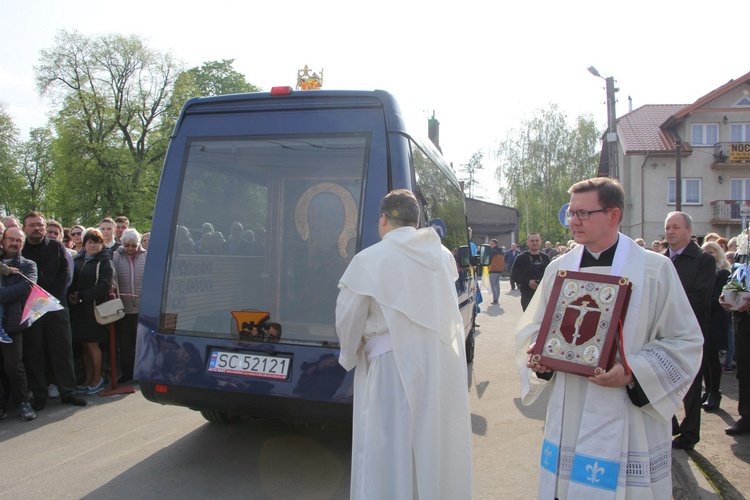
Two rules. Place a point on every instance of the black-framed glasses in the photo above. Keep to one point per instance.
(583, 214)
(77, 233)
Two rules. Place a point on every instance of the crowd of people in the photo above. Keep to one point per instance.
(60, 354)
(719, 350)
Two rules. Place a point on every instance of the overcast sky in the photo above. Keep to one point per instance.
(482, 67)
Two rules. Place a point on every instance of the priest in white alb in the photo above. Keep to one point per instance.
(398, 321)
(609, 436)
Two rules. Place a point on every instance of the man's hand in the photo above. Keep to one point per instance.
(613, 378)
(533, 284)
(535, 367)
(15, 270)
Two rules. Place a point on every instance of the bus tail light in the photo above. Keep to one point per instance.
(281, 91)
(161, 388)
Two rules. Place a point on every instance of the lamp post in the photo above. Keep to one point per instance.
(611, 123)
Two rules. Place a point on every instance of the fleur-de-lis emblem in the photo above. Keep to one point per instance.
(547, 455)
(595, 470)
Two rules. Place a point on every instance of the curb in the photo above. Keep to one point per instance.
(688, 481)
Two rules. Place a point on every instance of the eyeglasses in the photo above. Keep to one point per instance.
(583, 214)
(77, 233)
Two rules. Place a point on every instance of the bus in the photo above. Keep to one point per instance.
(263, 201)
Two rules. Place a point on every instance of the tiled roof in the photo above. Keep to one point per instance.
(730, 85)
(640, 130)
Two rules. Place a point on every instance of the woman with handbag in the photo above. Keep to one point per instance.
(129, 261)
(92, 278)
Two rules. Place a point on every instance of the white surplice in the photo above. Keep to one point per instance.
(597, 443)
(398, 321)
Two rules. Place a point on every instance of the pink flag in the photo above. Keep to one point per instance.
(38, 303)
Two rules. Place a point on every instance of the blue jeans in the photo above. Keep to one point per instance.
(495, 286)
(729, 358)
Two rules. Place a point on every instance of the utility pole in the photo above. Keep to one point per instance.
(678, 175)
(614, 170)
(613, 158)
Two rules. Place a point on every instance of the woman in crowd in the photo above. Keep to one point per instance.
(129, 261)
(92, 279)
(76, 237)
(716, 339)
(144, 240)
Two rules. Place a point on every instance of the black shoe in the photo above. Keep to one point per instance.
(74, 400)
(25, 412)
(712, 404)
(682, 443)
(704, 398)
(742, 426)
(124, 379)
(3, 414)
(38, 404)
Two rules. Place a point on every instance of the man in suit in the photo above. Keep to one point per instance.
(697, 272)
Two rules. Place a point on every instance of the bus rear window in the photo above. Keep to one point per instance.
(264, 224)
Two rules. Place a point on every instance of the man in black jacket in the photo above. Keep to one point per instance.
(13, 295)
(697, 272)
(53, 329)
(528, 268)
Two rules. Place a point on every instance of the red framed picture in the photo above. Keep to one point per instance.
(580, 330)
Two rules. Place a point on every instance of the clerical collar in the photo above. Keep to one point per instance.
(604, 258)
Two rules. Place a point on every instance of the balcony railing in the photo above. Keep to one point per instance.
(732, 152)
(729, 211)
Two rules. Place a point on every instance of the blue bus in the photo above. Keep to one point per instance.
(263, 200)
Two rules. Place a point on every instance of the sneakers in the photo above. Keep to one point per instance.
(97, 388)
(4, 337)
(26, 412)
(53, 392)
(82, 389)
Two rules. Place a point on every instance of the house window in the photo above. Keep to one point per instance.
(691, 191)
(704, 134)
(739, 189)
(740, 132)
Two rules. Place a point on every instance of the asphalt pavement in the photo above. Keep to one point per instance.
(717, 468)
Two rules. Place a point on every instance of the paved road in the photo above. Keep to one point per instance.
(124, 446)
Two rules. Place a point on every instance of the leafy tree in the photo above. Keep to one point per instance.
(9, 143)
(113, 91)
(471, 169)
(37, 170)
(218, 78)
(539, 161)
(212, 78)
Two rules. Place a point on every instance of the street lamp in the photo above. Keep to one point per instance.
(611, 122)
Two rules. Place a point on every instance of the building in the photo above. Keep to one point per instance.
(713, 134)
(490, 220)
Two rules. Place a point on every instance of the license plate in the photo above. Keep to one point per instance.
(249, 364)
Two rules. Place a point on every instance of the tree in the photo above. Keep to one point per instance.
(9, 143)
(471, 169)
(112, 91)
(539, 161)
(212, 78)
(37, 170)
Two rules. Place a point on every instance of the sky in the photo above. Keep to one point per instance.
(481, 67)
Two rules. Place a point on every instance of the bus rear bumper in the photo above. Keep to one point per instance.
(251, 405)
